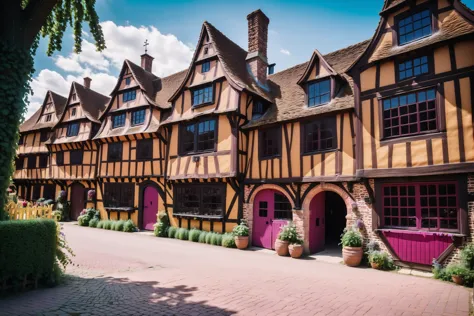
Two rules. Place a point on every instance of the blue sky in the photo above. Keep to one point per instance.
(172, 28)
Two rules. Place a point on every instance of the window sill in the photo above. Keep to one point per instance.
(312, 153)
(412, 138)
(318, 105)
(414, 40)
(119, 209)
(197, 216)
(197, 106)
(198, 153)
(270, 157)
(420, 232)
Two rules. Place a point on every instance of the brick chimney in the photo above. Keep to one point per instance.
(87, 82)
(257, 52)
(147, 62)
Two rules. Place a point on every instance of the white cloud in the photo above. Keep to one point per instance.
(123, 42)
(285, 52)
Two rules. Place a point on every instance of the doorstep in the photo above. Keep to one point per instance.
(420, 273)
(328, 256)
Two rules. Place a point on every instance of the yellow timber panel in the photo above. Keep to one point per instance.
(464, 54)
(387, 73)
(317, 165)
(366, 136)
(442, 60)
(255, 164)
(451, 122)
(306, 166)
(382, 151)
(284, 156)
(347, 148)
(399, 159)
(465, 87)
(330, 164)
(419, 154)
(367, 79)
(437, 146)
(295, 148)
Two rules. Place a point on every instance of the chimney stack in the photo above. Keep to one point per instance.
(258, 38)
(87, 82)
(147, 62)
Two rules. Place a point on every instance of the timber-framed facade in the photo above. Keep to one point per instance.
(380, 132)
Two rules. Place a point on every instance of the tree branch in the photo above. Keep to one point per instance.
(34, 17)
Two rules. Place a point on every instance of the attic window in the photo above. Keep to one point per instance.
(259, 108)
(206, 50)
(414, 26)
(203, 95)
(206, 66)
(74, 97)
(319, 93)
(118, 120)
(129, 95)
(73, 112)
(128, 80)
(138, 117)
(48, 117)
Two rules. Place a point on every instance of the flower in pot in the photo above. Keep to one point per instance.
(377, 259)
(351, 242)
(296, 248)
(457, 273)
(287, 234)
(241, 235)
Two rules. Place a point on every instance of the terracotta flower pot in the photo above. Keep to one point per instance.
(296, 250)
(374, 265)
(241, 242)
(352, 256)
(281, 247)
(457, 279)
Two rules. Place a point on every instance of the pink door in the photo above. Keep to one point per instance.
(271, 211)
(150, 207)
(317, 223)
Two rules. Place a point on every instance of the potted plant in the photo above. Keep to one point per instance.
(351, 242)
(241, 235)
(287, 234)
(457, 273)
(376, 259)
(296, 248)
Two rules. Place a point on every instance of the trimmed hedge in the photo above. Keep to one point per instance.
(27, 249)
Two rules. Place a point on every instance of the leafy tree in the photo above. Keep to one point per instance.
(23, 22)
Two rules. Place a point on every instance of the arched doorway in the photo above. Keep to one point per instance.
(150, 207)
(77, 200)
(271, 210)
(327, 220)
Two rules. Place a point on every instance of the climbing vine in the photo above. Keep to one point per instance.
(27, 21)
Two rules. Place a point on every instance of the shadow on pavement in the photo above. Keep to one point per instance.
(109, 296)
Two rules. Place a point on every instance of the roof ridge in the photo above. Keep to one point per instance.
(222, 34)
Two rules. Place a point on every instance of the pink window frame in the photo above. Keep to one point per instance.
(418, 207)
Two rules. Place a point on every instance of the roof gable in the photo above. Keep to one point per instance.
(317, 60)
(34, 123)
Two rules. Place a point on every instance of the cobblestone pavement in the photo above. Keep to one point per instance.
(117, 273)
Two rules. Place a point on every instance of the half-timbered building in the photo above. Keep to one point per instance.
(32, 175)
(131, 163)
(72, 151)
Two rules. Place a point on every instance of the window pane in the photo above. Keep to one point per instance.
(138, 117)
(319, 135)
(319, 93)
(199, 200)
(203, 95)
(414, 27)
(72, 129)
(118, 120)
(270, 142)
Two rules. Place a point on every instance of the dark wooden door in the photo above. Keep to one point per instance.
(77, 200)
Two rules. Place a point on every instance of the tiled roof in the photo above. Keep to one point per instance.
(32, 123)
(93, 103)
(145, 79)
(165, 87)
(290, 97)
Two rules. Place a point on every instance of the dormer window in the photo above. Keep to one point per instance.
(129, 96)
(414, 26)
(128, 80)
(118, 120)
(73, 112)
(413, 67)
(206, 66)
(319, 93)
(203, 95)
(206, 50)
(138, 117)
(72, 129)
(259, 108)
(73, 97)
(48, 118)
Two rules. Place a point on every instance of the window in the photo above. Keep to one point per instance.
(48, 118)
(128, 80)
(258, 109)
(206, 50)
(319, 92)
(138, 117)
(31, 162)
(73, 112)
(423, 206)
(270, 140)
(21, 140)
(114, 152)
(282, 207)
(76, 157)
(36, 192)
(413, 27)
(60, 158)
(119, 194)
(49, 191)
(319, 135)
(145, 149)
(413, 68)
(74, 97)
(410, 114)
(263, 209)
(118, 120)
(19, 163)
(129, 95)
(203, 95)
(72, 129)
(207, 200)
(43, 161)
(198, 137)
(205, 66)
(44, 136)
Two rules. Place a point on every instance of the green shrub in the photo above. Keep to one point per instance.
(108, 224)
(100, 224)
(194, 235)
(228, 241)
(209, 238)
(351, 238)
(289, 233)
(182, 234)
(28, 247)
(129, 227)
(202, 237)
(241, 230)
(216, 239)
(160, 229)
(172, 232)
(83, 220)
(467, 256)
(118, 225)
(456, 269)
(382, 259)
(93, 222)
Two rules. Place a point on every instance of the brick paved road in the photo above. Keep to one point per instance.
(136, 274)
